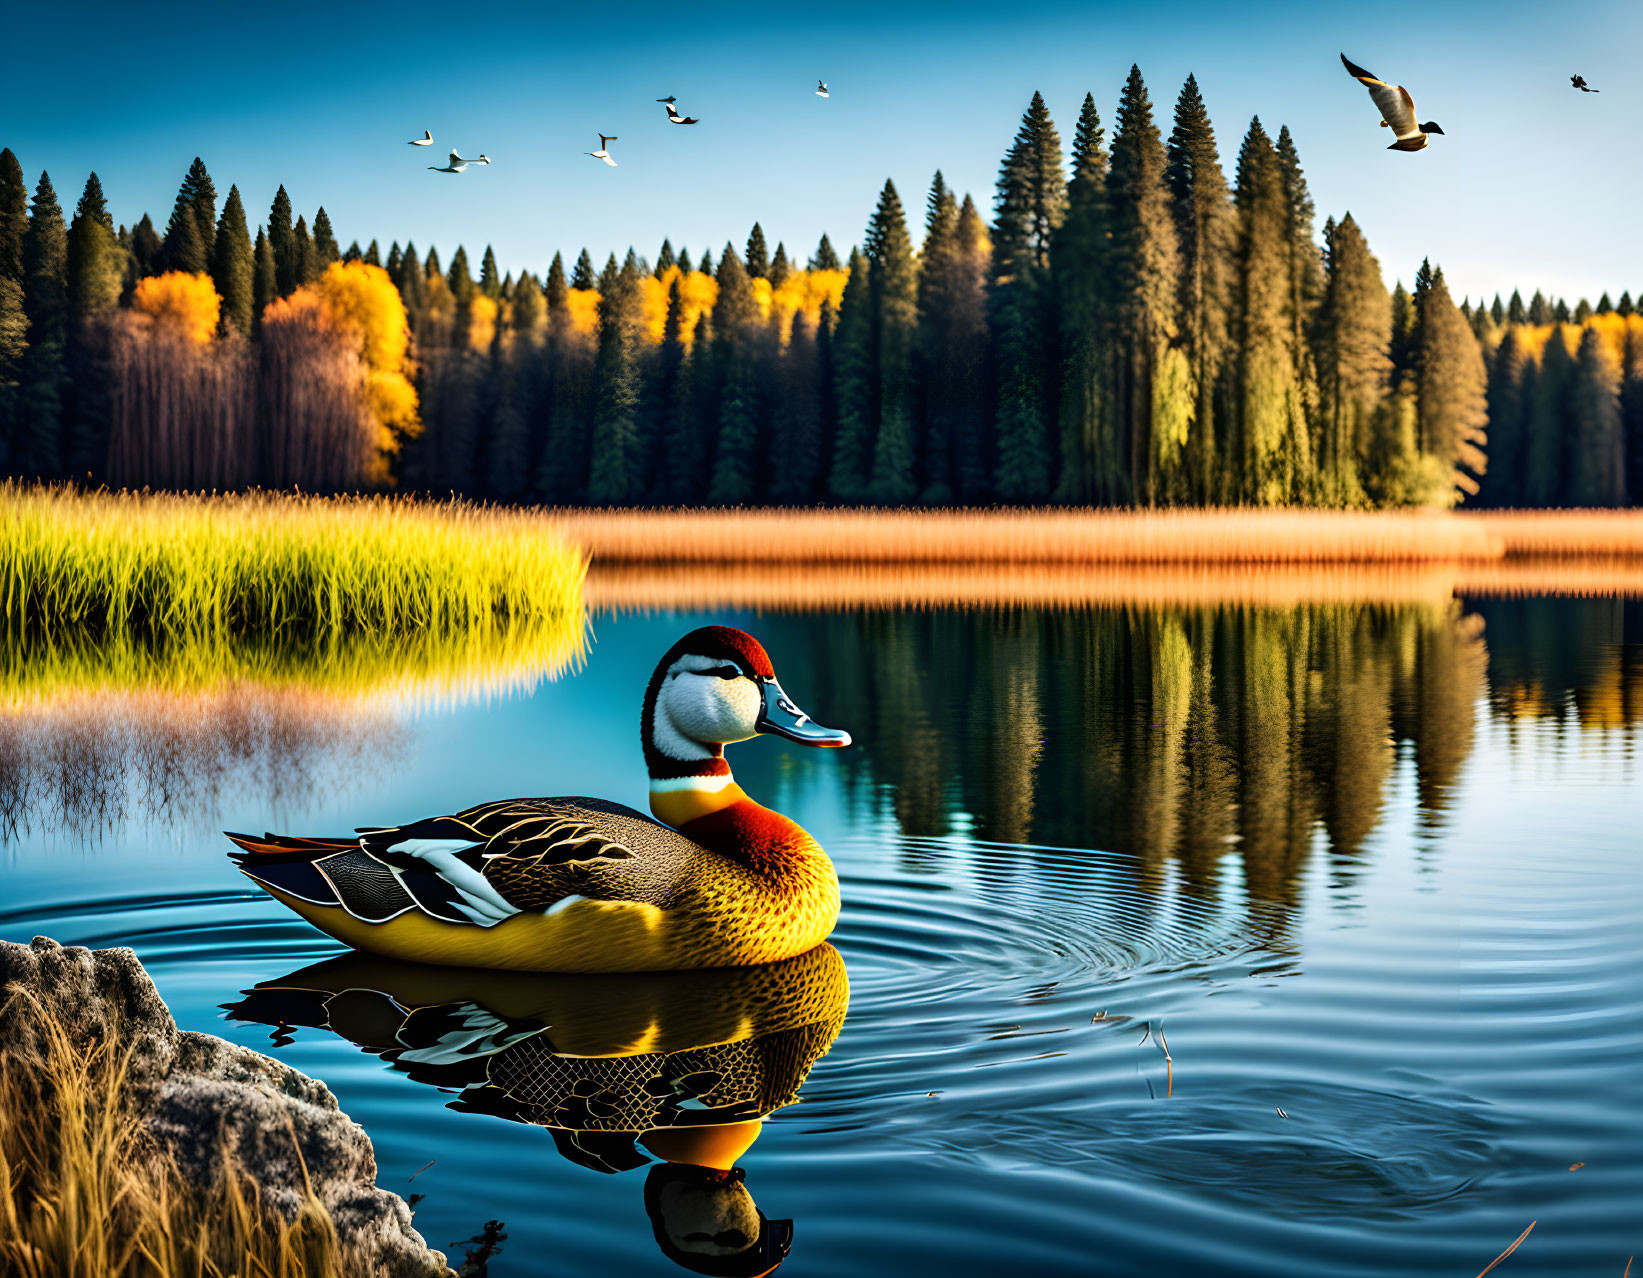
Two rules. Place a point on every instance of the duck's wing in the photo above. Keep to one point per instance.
(1397, 108)
(479, 866)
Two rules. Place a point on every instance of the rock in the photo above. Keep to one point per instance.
(199, 1094)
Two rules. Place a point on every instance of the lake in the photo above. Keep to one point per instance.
(1211, 939)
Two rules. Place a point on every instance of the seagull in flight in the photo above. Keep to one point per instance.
(673, 112)
(1579, 82)
(602, 153)
(427, 139)
(456, 164)
(1397, 110)
(821, 89)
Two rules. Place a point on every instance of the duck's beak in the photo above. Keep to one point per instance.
(779, 717)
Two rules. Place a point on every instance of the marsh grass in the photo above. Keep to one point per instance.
(85, 1192)
(1226, 536)
(346, 594)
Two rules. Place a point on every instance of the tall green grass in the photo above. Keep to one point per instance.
(126, 590)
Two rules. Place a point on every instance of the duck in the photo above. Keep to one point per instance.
(603, 153)
(821, 89)
(1579, 82)
(673, 113)
(427, 139)
(709, 879)
(456, 164)
(675, 1069)
(1397, 110)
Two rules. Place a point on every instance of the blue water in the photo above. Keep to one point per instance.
(1378, 869)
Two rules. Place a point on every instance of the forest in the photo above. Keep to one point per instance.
(1131, 326)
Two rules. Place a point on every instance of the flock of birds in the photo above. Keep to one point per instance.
(1393, 101)
(456, 164)
(1397, 108)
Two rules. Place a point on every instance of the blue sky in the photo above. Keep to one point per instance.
(1534, 185)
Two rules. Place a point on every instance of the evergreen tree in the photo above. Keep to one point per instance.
(758, 257)
(1508, 425)
(1515, 311)
(264, 278)
(489, 283)
(780, 267)
(1206, 233)
(1153, 394)
(1598, 473)
(95, 261)
(233, 265)
(1497, 312)
(37, 432)
(461, 281)
(581, 276)
(281, 240)
(735, 468)
(1540, 312)
(1624, 306)
(665, 259)
(353, 253)
(1560, 312)
(304, 266)
(147, 251)
(936, 285)
(14, 222)
(685, 268)
(1030, 206)
(893, 282)
(14, 215)
(1271, 424)
(796, 473)
(325, 242)
(853, 386)
(1354, 331)
(1583, 311)
(661, 400)
(705, 266)
(1604, 305)
(193, 225)
(372, 255)
(395, 260)
(614, 478)
(1453, 409)
(825, 258)
(1547, 467)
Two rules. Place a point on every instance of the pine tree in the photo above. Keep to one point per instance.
(147, 252)
(461, 281)
(1030, 205)
(825, 258)
(1497, 312)
(280, 239)
(1604, 305)
(372, 255)
(96, 262)
(1583, 311)
(193, 225)
(614, 477)
(581, 276)
(1206, 232)
(14, 215)
(353, 253)
(1547, 466)
(685, 267)
(1508, 426)
(14, 221)
(489, 283)
(1305, 263)
(937, 288)
(780, 267)
(37, 438)
(1560, 313)
(1624, 305)
(1453, 409)
(735, 455)
(325, 242)
(1354, 331)
(1271, 426)
(1540, 312)
(853, 386)
(233, 266)
(264, 278)
(1515, 311)
(796, 473)
(1598, 470)
(304, 267)
(1153, 396)
(705, 266)
(893, 281)
(665, 258)
(758, 256)
(396, 259)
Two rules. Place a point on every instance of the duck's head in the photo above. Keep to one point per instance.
(706, 1221)
(714, 687)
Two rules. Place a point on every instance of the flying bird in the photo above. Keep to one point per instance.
(821, 89)
(1397, 110)
(1579, 82)
(457, 164)
(427, 139)
(602, 153)
(673, 113)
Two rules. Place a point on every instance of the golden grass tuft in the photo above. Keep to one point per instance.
(85, 1193)
(128, 590)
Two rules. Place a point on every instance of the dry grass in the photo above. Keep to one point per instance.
(1564, 533)
(1028, 536)
(801, 587)
(85, 1194)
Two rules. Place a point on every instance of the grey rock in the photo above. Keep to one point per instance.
(200, 1095)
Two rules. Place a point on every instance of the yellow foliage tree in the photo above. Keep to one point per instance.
(584, 310)
(482, 315)
(183, 299)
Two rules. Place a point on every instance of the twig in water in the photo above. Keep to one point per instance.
(1169, 1063)
(1509, 1250)
(1628, 1273)
(1576, 1166)
(421, 1169)
(1147, 1033)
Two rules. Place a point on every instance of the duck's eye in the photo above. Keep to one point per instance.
(722, 672)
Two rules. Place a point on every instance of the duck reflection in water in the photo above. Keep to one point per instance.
(623, 1070)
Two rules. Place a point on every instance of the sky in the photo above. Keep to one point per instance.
(1533, 185)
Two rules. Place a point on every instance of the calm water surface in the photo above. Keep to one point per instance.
(1373, 876)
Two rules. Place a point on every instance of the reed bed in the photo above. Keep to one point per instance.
(1093, 536)
(761, 587)
(290, 567)
(85, 1194)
